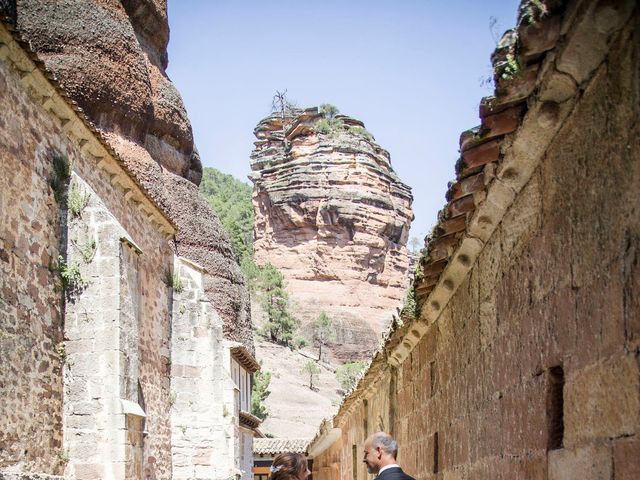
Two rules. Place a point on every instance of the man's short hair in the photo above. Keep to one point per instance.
(387, 442)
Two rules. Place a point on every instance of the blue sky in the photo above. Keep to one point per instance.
(411, 70)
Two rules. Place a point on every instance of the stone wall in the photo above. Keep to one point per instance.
(202, 391)
(31, 329)
(72, 377)
(118, 365)
(525, 361)
(116, 338)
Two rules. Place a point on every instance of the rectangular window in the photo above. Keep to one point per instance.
(354, 454)
(235, 373)
(365, 414)
(242, 380)
(555, 408)
(248, 387)
(243, 390)
(436, 453)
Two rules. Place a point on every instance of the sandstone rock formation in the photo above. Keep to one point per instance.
(334, 217)
(110, 57)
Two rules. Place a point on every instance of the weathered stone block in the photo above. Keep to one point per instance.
(626, 459)
(592, 462)
(602, 401)
(588, 45)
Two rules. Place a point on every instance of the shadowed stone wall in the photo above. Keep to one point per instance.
(531, 369)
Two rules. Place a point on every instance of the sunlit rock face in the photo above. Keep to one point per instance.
(334, 217)
(110, 57)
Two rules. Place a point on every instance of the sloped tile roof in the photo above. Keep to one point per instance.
(273, 446)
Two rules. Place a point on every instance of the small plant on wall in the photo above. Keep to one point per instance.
(77, 200)
(63, 455)
(61, 175)
(71, 277)
(173, 281)
(86, 249)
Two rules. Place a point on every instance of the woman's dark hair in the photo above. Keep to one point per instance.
(287, 466)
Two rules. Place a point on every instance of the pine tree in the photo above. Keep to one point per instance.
(280, 323)
(312, 370)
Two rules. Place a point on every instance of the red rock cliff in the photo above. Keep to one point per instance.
(334, 217)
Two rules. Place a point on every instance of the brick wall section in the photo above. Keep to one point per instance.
(30, 314)
(531, 369)
(31, 327)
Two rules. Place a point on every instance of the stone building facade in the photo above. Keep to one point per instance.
(116, 363)
(524, 359)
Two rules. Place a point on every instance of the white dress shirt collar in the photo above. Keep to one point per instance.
(386, 467)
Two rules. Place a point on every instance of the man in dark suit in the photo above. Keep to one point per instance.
(380, 451)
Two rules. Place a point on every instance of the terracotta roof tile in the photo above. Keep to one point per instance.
(273, 446)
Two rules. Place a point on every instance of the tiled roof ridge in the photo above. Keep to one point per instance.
(516, 63)
(279, 445)
(497, 158)
(71, 128)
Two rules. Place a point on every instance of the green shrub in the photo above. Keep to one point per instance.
(71, 276)
(299, 342)
(363, 132)
(173, 281)
(410, 307)
(259, 393)
(349, 373)
(328, 126)
(61, 174)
